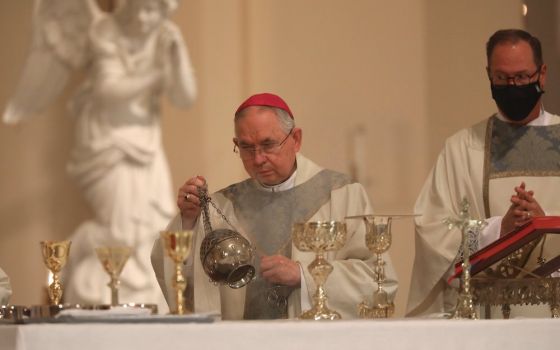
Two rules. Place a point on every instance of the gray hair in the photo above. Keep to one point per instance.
(287, 123)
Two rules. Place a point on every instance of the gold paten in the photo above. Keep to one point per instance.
(113, 260)
(319, 237)
(178, 247)
(55, 255)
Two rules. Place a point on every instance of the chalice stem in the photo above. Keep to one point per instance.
(55, 290)
(114, 285)
(380, 272)
(320, 269)
(320, 297)
(180, 284)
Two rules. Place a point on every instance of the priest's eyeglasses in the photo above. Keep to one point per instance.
(271, 147)
(501, 79)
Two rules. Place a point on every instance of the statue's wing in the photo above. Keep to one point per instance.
(59, 45)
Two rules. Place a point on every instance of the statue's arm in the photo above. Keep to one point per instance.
(180, 83)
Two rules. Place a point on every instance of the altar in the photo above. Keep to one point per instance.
(392, 334)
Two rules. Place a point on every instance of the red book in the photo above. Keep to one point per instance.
(512, 241)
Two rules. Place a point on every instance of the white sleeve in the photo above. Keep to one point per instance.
(491, 232)
(5, 288)
(304, 294)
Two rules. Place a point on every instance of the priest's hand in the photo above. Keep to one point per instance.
(523, 208)
(277, 269)
(188, 201)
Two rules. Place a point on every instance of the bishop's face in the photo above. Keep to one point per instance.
(267, 151)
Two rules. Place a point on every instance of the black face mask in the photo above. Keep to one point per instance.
(516, 102)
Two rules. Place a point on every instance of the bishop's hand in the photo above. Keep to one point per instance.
(277, 269)
(188, 201)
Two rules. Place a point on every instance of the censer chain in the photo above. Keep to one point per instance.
(204, 200)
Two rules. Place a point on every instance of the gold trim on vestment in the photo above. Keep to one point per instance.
(486, 168)
(501, 174)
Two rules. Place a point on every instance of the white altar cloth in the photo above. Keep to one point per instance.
(407, 334)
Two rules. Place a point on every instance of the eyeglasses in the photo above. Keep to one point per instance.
(518, 79)
(249, 152)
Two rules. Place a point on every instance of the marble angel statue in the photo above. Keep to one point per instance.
(131, 57)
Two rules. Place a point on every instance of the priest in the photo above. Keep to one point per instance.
(288, 188)
(506, 166)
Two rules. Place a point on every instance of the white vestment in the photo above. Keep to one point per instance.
(350, 282)
(458, 173)
(5, 288)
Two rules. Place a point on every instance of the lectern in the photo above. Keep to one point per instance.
(519, 268)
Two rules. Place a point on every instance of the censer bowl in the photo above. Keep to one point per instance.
(227, 258)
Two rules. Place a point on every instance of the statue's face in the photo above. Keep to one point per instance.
(145, 16)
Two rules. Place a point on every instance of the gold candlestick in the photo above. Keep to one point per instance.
(178, 247)
(113, 260)
(319, 237)
(55, 255)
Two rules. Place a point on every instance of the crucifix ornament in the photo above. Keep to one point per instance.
(465, 306)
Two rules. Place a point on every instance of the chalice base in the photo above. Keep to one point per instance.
(318, 313)
(555, 311)
(376, 311)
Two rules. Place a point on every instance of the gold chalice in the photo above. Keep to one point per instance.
(319, 237)
(378, 241)
(55, 255)
(178, 247)
(113, 260)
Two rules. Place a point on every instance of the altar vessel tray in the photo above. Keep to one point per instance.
(99, 318)
(10, 314)
(76, 313)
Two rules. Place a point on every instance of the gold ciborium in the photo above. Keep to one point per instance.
(378, 241)
(178, 247)
(55, 255)
(319, 237)
(113, 260)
